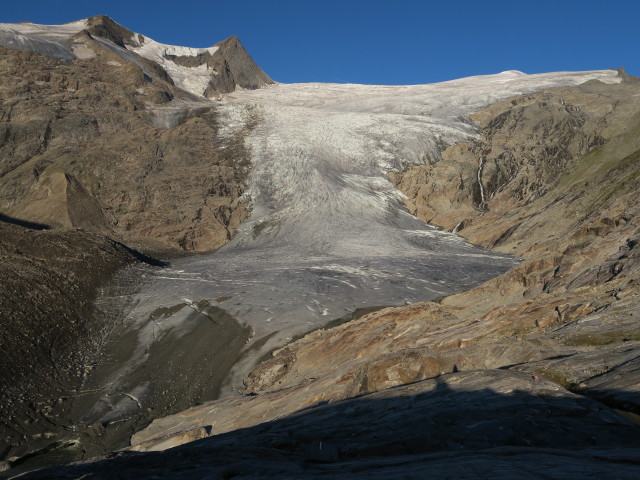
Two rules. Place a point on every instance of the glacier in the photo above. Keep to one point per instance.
(328, 232)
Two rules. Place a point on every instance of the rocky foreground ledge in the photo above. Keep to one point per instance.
(471, 424)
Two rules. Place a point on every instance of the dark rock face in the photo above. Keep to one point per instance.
(104, 27)
(235, 67)
(189, 61)
(48, 280)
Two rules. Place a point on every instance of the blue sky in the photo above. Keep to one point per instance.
(380, 42)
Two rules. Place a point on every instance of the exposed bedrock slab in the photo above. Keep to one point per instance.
(470, 423)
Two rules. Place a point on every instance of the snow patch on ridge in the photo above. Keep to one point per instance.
(54, 41)
(192, 79)
(50, 40)
(51, 31)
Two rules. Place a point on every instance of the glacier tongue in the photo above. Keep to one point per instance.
(321, 153)
(328, 232)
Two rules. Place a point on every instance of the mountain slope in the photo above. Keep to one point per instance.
(49, 333)
(98, 149)
(200, 71)
(99, 112)
(97, 128)
(305, 187)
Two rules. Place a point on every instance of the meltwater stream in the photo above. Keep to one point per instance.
(328, 232)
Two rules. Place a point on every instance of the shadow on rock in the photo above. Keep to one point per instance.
(435, 427)
(23, 223)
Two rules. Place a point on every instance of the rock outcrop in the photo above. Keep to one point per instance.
(48, 280)
(84, 144)
(235, 69)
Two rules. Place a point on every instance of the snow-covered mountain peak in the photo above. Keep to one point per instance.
(200, 71)
(513, 73)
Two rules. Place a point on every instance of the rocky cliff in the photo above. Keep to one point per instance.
(110, 143)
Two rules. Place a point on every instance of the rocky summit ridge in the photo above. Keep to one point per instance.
(115, 149)
(218, 69)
